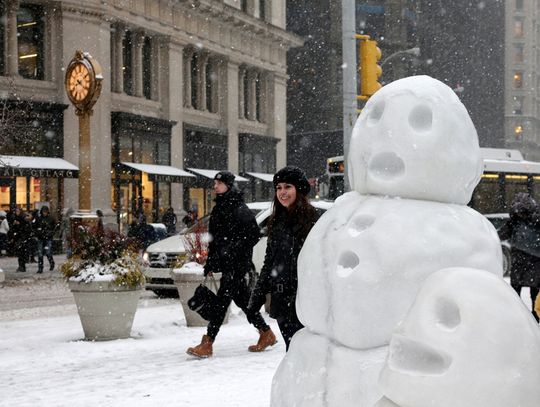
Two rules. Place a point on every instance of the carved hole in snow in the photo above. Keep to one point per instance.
(359, 223)
(421, 118)
(411, 357)
(375, 114)
(386, 165)
(347, 262)
(447, 314)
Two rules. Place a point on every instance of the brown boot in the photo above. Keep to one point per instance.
(204, 349)
(266, 339)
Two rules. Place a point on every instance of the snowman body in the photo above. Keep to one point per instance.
(413, 164)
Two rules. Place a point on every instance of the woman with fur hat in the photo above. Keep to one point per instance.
(291, 220)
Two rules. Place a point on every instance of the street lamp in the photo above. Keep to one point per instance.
(411, 51)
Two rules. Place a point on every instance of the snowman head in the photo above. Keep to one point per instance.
(468, 340)
(414, 139)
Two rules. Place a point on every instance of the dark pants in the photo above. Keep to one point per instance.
(534, 293)
(44, 247)
(288, 327)
(233, 287)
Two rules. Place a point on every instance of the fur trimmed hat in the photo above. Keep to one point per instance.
(226, 177)
(295, 176)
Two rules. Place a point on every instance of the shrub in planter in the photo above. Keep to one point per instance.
(106, 279)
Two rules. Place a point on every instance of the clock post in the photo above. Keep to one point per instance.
(83, 87)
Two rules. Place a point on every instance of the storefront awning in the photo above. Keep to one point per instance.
(212, 173)
(161, 173)
(37, 167)
(262, 175)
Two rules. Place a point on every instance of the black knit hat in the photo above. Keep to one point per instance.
(226, 177)
(295, 176)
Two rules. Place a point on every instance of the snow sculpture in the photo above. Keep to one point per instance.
(414, 161)
(468, 340)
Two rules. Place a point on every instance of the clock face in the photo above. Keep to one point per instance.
(79, 82)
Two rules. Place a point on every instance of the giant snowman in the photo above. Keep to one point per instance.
(414, 161)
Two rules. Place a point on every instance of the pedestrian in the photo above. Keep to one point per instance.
(4, 230)
(31, 218)
(142, 232)
(190, 219)
(169, 220)
(66, 230)
(234, 232)
(523, 230)
(100, 227)
(20, 232)
(44, 227)
(292, 219)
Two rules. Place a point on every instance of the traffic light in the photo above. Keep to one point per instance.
(370, 70)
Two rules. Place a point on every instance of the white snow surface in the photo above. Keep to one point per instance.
(45, 362)
(468, 340)
(413, 163)
(374, 253)
(415, 139)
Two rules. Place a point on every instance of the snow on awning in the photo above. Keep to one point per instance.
(262, 175)
(37, 167)
(212, 173)
(161, 173)
(516, 167)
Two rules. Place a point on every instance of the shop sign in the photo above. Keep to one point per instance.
(165, 178)
(37, 173)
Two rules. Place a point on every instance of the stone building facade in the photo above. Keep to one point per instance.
(186, 84)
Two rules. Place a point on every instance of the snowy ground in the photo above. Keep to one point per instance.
(44, 361)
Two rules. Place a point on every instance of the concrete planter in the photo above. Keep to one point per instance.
(106, 310)
(186, 280)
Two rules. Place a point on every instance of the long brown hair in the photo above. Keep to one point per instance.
(301, 214)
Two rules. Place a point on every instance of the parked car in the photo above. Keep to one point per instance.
(499, 219)
(171, 252)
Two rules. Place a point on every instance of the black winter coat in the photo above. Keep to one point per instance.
(44, 227)
(279, 275)
(234, 231)
(525, 269)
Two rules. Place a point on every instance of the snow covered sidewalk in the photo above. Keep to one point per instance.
(44, 362)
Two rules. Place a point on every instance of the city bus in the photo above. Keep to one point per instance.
(505, 174)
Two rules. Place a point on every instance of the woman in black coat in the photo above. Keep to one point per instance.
(288, 227)
(523, 231)
(233, 231)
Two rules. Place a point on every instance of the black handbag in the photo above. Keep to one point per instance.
(204, 301)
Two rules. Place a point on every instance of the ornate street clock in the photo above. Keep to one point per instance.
(83, 81)
(83, 86)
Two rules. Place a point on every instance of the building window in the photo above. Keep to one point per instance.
(518, 54)
(147, 68)
(262, 9)
(258, 98)
(244, 5)
(517, 105)
(211, 84)
(518, 80)
(519, 4)
(30, 34)
(127, 69)
(518, 131)
(3, 16)
(518, 28)
(194, 80)
(246, 94)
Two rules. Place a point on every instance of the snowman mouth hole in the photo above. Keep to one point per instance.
(414, 358)
(387, 165)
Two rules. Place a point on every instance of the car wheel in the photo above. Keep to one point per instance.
(165, 292)
(507, 261)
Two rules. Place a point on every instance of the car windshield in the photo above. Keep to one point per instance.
(200, 226)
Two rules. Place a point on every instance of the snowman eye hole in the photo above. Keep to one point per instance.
(447, 314)
(421, 118)
(376, 113)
